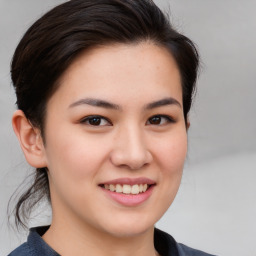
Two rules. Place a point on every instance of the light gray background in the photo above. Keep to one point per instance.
(216, 206)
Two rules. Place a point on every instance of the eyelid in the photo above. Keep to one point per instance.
(167, 117)
(87, 118)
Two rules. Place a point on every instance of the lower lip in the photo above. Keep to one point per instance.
(129, 200)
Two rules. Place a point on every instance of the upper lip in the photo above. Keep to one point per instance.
(130, 181)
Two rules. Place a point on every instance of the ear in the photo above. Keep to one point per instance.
(188, 125)
(30, 140)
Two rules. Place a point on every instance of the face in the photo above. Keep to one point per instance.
(115, 139)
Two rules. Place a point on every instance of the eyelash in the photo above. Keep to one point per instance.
(167, 118)
(87, 120)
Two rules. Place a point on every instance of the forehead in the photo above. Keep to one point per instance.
(122, 72)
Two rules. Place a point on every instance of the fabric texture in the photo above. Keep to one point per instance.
(164, 244)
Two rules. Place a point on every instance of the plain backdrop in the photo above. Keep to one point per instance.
(216, 205)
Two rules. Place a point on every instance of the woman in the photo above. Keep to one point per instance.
(103, 90)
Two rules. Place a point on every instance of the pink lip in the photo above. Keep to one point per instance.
(129, 199)
(130, 181)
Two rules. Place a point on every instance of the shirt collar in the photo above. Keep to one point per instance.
(164, 243)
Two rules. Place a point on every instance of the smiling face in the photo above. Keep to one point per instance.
(115, 139)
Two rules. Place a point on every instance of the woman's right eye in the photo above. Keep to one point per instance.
(95, 121)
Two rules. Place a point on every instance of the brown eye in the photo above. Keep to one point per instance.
(160, 120)
(95, 121)
(155, 120)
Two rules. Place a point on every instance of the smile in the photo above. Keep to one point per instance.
(126, 188)
(129, 191)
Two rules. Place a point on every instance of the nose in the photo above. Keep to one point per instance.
(130, 150)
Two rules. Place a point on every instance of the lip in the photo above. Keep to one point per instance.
(129, 199)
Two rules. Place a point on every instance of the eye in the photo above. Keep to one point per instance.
(95, 121)
(160, 120)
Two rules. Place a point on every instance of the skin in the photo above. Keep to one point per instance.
(128, 143)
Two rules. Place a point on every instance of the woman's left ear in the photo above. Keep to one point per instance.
(187, 124)
(30, 140)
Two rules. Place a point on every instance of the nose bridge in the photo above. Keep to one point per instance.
(135, 143)
(131, 148)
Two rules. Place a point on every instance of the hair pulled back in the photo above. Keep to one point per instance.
(53, 42)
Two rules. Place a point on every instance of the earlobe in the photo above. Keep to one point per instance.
(30, 140)
(187, 125)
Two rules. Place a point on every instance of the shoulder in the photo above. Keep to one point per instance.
(22, 250)
(35, 245)
(166, 245)
(187, 251)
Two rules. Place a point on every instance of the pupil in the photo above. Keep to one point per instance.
(156, 120)
(94, 121)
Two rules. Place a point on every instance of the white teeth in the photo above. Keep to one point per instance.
(127, 189)
(119, 188)
(145, 187)
(112, 187)
(135, 189)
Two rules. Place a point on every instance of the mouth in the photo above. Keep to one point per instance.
(127, 189)
(129, 192)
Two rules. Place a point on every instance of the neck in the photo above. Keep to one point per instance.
(80, 239)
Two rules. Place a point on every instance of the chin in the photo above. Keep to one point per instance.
(129, 227)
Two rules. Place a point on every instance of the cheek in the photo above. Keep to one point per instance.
(77, 156)
(172, 152)
(172, 156)
(72, 167)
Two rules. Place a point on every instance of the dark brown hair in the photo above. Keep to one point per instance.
(52, 42)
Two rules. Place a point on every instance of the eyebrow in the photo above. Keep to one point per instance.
(109, 105)
(162, 102)
(95, 103)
